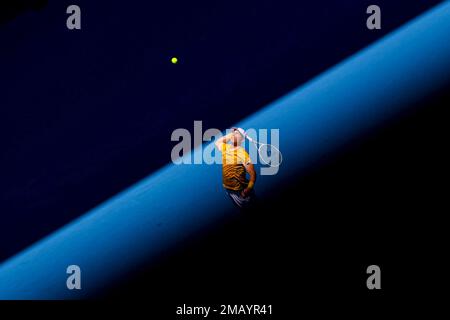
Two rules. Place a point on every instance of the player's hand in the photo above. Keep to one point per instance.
(245, 192)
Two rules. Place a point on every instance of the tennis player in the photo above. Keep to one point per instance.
(236, 164)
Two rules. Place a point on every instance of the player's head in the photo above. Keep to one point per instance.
(238, 136)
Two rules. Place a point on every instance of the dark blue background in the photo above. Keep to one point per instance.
(86, 113)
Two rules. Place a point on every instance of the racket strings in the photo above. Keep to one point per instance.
(259, 148)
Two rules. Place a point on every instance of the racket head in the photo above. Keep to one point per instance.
(268, 152)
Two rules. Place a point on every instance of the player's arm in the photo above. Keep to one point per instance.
(219, 142)
(250, 168)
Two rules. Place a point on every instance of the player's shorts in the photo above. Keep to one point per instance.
(239, 200)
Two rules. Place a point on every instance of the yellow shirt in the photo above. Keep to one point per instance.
(233, 170)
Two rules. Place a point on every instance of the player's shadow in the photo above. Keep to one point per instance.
(9, 10)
